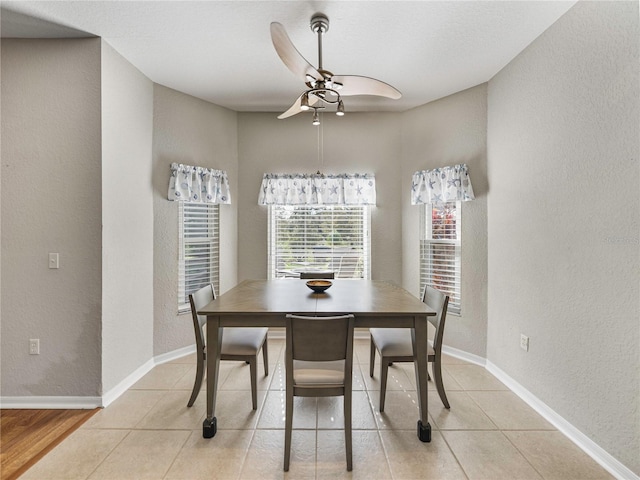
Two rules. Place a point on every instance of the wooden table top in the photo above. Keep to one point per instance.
(279, 297)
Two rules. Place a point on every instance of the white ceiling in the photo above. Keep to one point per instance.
(221, 51)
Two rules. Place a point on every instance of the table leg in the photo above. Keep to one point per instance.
(214, 345)
(419, 340)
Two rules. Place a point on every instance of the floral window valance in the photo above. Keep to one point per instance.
(198, 184)
(317, 189)
(446, 184)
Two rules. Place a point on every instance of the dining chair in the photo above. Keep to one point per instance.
(394, 345)
(318, 363)
(319, 275)
(238, 343)
(350, 266)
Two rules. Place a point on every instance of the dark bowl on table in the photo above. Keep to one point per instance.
(319, 286)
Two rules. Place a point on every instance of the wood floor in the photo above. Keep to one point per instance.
(28, 435)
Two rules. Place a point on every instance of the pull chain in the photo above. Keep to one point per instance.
(321, 147)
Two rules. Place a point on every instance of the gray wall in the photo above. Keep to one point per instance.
(51, 202)
(564, 220)
(357, 142)
(127, 219)
(195, 132)
(447, 132)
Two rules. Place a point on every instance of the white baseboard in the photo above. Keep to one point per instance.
(606, 460)
(109, 397)
(123, 386)
(140, 372)
(462, 355)
(174, 355)
(35, 402)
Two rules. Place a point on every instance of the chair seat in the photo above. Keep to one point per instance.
(395, 342)
(318, 373)
(242, 341)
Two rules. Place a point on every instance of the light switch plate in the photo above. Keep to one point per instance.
(54, 260)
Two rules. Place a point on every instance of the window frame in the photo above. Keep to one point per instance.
(453, 286)
(208, 242)
(276, 263)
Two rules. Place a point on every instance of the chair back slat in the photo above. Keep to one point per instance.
(439, 302)
(319, 275)
(319, 339)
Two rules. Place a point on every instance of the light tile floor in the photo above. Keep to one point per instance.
(149, 433)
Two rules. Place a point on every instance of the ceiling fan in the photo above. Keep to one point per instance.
(324, 88)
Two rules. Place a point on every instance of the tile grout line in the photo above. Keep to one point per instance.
(178, 451)
(110, 452)
(444, 439)
(523, 455)
(246, 453)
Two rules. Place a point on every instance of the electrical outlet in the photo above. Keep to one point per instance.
(524, 342)
(34, 346)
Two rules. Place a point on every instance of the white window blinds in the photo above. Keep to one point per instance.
(304, 238)
(198, 263)
(440, 250)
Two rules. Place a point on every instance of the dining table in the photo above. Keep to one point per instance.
(265, 303)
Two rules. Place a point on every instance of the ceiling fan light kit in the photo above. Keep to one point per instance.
(324, 88)
(304, 102)
(316, 118)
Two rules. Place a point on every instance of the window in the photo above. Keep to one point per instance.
(319, 238)
(198, 249)
(440, 250)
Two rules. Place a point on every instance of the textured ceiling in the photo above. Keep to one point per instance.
(222, 52)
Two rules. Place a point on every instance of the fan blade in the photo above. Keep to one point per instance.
(290, 56)
(357, 85)
(295, 108)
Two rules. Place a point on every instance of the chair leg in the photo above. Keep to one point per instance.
(288, 425)
(265, 357)
(437, 375)
(198, 382)
(347, 428)
(372, 357)
(384, 370)
(253, 370)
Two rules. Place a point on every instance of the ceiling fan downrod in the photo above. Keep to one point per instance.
(319, 25)
(320, 87)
